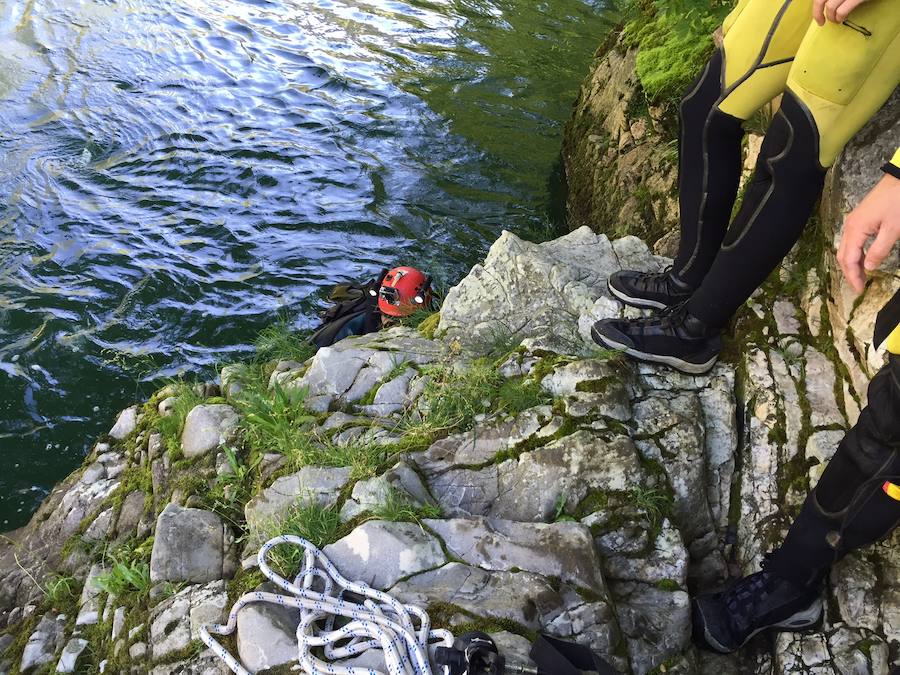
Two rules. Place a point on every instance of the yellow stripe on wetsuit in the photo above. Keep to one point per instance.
(893, 341)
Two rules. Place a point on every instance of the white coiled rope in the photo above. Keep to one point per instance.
(379, 622)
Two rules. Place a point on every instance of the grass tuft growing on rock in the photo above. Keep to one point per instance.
(518, 395)
(397, 508)
(61, 592)
(129, 570)
(652, 501)
(274, 423)
(320, 525)
(279, 342)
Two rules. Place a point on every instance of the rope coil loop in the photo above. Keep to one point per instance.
(377, 622)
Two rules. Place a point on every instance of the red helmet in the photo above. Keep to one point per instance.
(404, 290)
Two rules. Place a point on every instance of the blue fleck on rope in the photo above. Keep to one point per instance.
(379, 622)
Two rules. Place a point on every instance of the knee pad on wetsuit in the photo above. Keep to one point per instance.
(788, 178)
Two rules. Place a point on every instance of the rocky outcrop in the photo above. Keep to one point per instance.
(548, 487)
(620, 165)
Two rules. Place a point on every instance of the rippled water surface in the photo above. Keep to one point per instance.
(175, 175)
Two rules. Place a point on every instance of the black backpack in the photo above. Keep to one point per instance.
(351, 301)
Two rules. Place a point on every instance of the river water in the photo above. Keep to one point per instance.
(176, 175)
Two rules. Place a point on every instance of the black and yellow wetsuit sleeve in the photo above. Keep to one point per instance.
(893, 167)
(891, 313)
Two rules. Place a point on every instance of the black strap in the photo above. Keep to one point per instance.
(558, 657)
(888, 319)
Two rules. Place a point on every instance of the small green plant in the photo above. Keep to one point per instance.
(652, 501)
(232, 488)
(128, 568)
(60, 590)
(280, 342)
(398, 508)
(275, 423)
(559, 509)
(125, 576)
(320, 525)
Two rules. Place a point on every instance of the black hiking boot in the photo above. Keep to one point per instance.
(650, 290)
(673, 337)
(725, 621)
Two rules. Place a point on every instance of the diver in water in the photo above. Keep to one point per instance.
(835, 70)
(360, 309)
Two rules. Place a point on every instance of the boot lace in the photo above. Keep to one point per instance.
(669, 319)
(656, 282)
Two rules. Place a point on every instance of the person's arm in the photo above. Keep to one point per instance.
(877, 215)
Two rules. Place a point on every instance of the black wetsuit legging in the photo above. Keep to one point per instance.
(849, 507)
(833, 79)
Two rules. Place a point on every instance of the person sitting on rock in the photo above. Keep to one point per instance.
(834, 74)
(843, 71)
(857, 500)
(360, 309)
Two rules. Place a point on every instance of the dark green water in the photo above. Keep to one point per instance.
(175, 175)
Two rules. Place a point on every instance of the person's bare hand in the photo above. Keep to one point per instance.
(877, 215)
(833, 10)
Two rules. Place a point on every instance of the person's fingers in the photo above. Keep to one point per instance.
(850, 256)
(881, 247)
(819, 12)
(847, 6)
(831, 9)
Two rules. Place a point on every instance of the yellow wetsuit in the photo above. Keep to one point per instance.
(834, 78)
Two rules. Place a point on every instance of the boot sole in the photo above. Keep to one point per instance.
(802, 620)
(641, 303)
(672, 361)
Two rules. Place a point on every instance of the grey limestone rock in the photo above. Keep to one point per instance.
(565, 550)
(266, 634)
(351, 368)
(205, 663)
(70, 653)
(130, 514)
(400, 481)
(89, 603)
(655, 622)
(230, 376)
(125, 424)
(380, 553)
(285, 371)
(191, 545)
(530, 290)
(484, 442)
(44, 643)
(525, 598)
(208, 427)
(175, 622)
